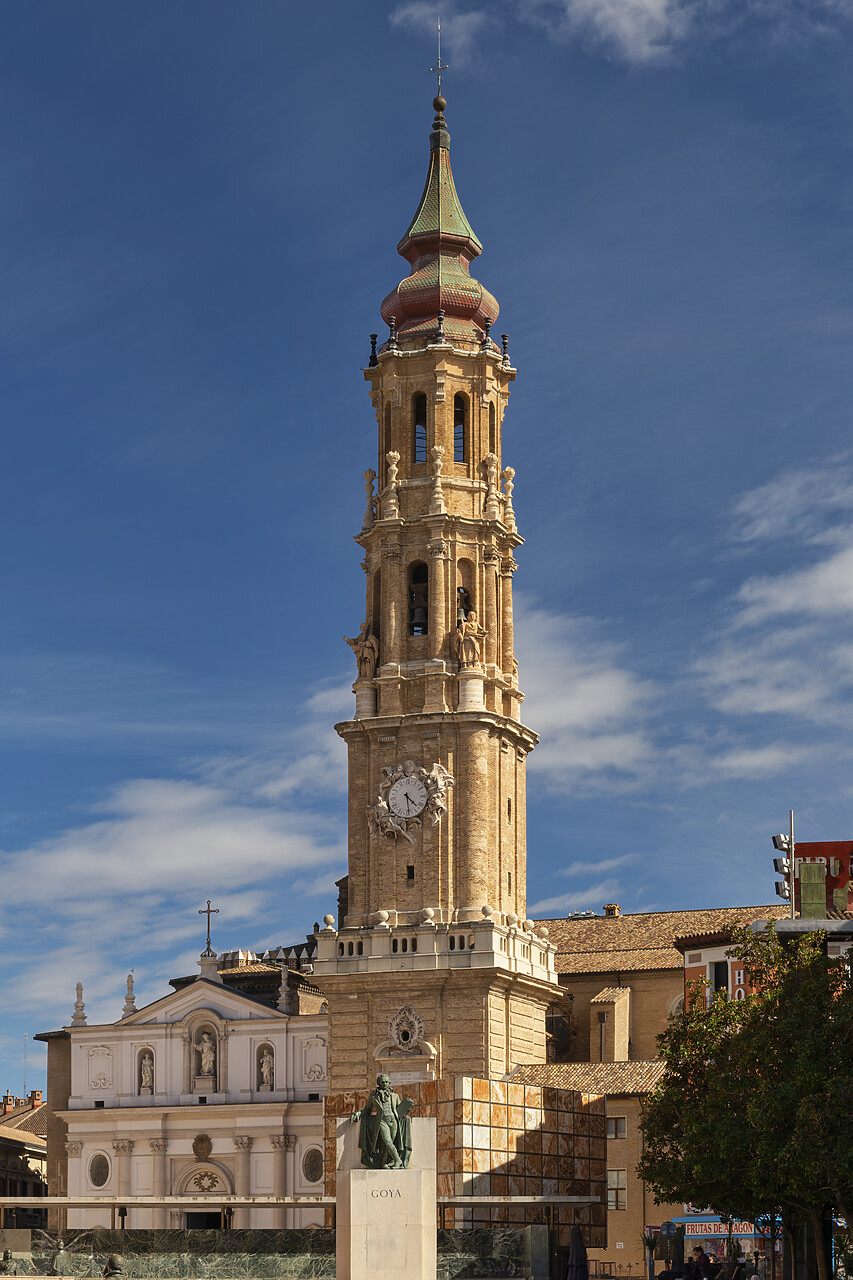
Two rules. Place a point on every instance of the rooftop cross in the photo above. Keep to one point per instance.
(208, 911)
(439, 66)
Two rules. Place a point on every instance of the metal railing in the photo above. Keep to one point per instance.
(119, 1205)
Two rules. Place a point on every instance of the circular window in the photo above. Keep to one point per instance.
(312, 1165)
(99, 1170)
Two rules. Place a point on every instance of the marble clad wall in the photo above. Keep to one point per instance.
(255, 1255)
(498, 1138)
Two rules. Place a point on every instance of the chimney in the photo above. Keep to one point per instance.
(612, 909)
(35, 1099)
(8, 1102)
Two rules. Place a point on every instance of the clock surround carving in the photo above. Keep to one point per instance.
(407, 793)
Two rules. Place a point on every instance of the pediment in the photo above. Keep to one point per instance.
(202, 995)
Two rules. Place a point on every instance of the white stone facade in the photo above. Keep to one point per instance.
(228, 1102)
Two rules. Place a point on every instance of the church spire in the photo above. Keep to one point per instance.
(439, 245)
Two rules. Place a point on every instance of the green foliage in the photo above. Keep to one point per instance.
(755, 1110)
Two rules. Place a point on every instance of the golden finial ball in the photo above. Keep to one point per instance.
(439, 104)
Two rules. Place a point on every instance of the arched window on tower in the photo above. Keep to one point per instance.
(459, 428)
(418, 599)
(419, 416)
(493, 434)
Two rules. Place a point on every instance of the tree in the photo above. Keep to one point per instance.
(754, 1113)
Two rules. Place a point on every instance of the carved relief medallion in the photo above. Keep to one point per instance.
(406, 1029)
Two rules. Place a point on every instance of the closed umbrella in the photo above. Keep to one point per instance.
(577, 1267)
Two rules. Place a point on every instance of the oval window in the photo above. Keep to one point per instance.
(99, 1170)
(312, 1165)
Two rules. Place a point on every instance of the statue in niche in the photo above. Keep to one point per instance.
(207, 1052)
(146, 1072)
(266, 1066)
(365, 646)
(385, 1130)
(466, 641)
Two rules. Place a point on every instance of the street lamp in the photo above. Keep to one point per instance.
(786, 866)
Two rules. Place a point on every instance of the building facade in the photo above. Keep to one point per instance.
(206, 1091)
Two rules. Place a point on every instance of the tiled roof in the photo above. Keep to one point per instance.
(607, 1078)
(603, 944)
(31, 1121)
(258, 967)
(13, 1133)
(609, 994)
(27, 1118)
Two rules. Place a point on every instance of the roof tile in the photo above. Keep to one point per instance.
(607, 944)
(603, 1078)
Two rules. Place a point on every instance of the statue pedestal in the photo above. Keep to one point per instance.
(470, 689)
(203, 1084)
(264, 1088)
(145, 1092)
(386, 1218)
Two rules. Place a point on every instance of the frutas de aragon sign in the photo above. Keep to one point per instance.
(706, 1229)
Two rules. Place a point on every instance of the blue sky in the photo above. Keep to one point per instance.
(199, 213)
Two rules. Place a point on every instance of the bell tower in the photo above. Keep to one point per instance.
(433, 969)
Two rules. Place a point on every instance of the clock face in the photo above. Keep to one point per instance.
(407, 797)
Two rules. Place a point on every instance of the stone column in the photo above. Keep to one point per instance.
(74, 1180)
(392, 620)
(508, 568)
(189, 1065)
(159, 1147)
(279, 1177)
(491, 619)
(290, 1177)
(437, 596)
(471, 855)
(242, 1183)
(123, 1148)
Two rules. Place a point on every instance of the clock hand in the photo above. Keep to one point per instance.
(408, 802)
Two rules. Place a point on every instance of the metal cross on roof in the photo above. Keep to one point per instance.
(208, 911)
(439, 66)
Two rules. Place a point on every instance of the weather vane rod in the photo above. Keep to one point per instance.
(439, 66)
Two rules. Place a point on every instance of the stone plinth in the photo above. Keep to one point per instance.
(386, 1218)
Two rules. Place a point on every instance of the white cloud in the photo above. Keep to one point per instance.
(636, 30)
(646, 32)
(459, 30)
(821, 589)
(565, 902)
(785, 650)
(124, 887)
(596, 868)
(757, 762)
(587, 707)
(796, 503)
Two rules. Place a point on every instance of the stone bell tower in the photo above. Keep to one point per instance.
(434, 970)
